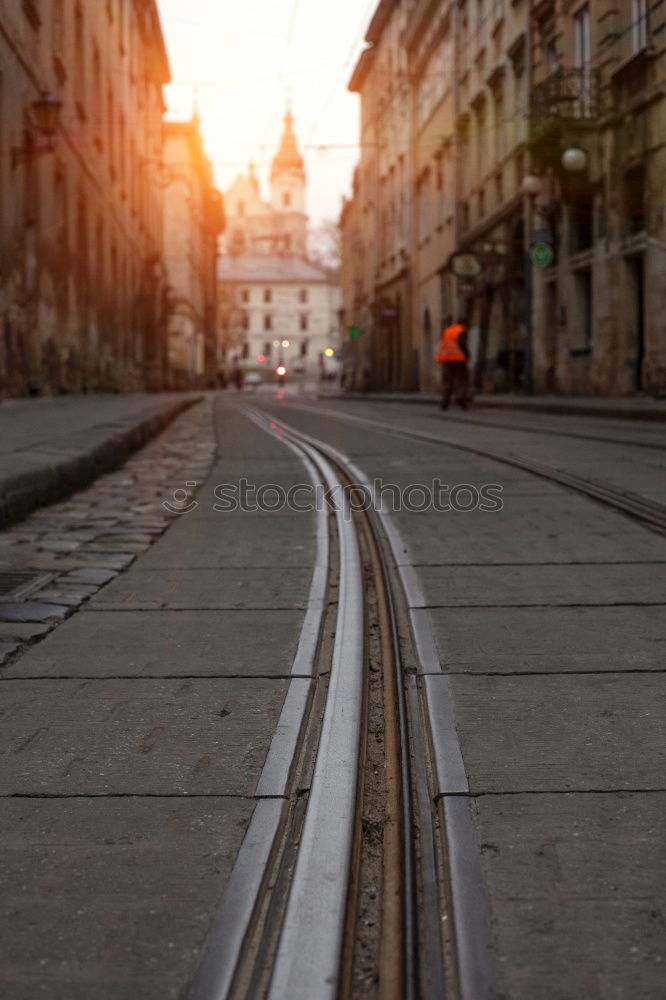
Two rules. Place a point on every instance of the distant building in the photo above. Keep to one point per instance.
(281, 309)
(82, 281)
(276, 306)
(279, 226)
(193, 218)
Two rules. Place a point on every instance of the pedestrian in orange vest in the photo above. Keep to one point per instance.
(453, 357)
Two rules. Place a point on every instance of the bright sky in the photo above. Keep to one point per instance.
(241, 58)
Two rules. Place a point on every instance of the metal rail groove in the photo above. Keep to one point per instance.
(470, 911)
(307, 964)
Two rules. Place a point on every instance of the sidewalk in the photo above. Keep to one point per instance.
(138, 731)
(626, 408)
(52, 446)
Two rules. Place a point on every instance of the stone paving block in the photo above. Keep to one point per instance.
(111, 898)
(491, 640)
(32, 611)
(235, 540)
(206, 588)
(21, 630)
(575, 845)
(93, 575)
(589, 950)
(180, 643)
(135, 737)
(543, 585)
(589, 732)
(530, 529)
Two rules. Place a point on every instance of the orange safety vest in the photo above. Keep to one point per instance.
(449, 349)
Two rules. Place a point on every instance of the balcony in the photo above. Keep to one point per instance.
(565, 103)
(571, 95)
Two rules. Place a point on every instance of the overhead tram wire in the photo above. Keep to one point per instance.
(345, 66)
(283, 63)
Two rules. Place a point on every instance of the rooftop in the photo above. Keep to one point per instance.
(246, 268)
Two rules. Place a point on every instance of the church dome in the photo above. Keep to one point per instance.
(288, 159)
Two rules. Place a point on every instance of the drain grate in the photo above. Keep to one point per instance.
(17, 584)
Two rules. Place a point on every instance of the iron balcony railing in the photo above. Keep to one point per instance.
(568, 94)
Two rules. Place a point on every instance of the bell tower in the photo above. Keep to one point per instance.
(288, 190)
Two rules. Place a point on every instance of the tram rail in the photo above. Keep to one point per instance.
(634, 505)
(299, 926)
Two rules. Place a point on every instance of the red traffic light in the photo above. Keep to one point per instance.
(261, 357)
(281, 370)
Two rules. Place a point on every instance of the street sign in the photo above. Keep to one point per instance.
(542, 254)
(542, 236)
(465, 265)
(354, 332)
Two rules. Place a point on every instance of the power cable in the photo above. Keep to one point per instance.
(283, 63)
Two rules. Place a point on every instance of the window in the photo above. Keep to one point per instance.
(582, 44)
(79, 55)
(268, 322)
(583, 59)
(639, 25)
(634, 200)
(440, 192)
(245, 321)
(303, 295)
(245, 295)
(240, 208)
(584, 300)
(304, 322)
(581, 225)
(286, 199)
(268, 295)
(57, 28)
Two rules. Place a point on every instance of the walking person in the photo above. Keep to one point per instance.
(453, 356)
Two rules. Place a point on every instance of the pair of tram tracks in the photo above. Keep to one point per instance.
(352, 902)
(649, 512)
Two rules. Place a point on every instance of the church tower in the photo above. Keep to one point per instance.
(288, 191)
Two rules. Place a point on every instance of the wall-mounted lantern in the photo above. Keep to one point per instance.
(46, 117)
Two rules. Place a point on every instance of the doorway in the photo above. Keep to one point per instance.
(636, 317)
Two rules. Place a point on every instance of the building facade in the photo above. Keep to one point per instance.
(538, 137)
(81, 269)
(193, 219)
(386, 355)
(280, 309)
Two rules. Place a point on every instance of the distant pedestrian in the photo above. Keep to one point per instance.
(238, 377)
(453, 357)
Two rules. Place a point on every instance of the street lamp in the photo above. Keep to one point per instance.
(532, 185)
(46, 117)
(574, 160)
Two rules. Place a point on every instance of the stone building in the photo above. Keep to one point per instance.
(82, 283)
(386, 356)
(276, 306)
(282, 310)
(278, 226)
(538, 134)
(193, 218)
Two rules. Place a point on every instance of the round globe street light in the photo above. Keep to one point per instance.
(574, 160)
(532, 185)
